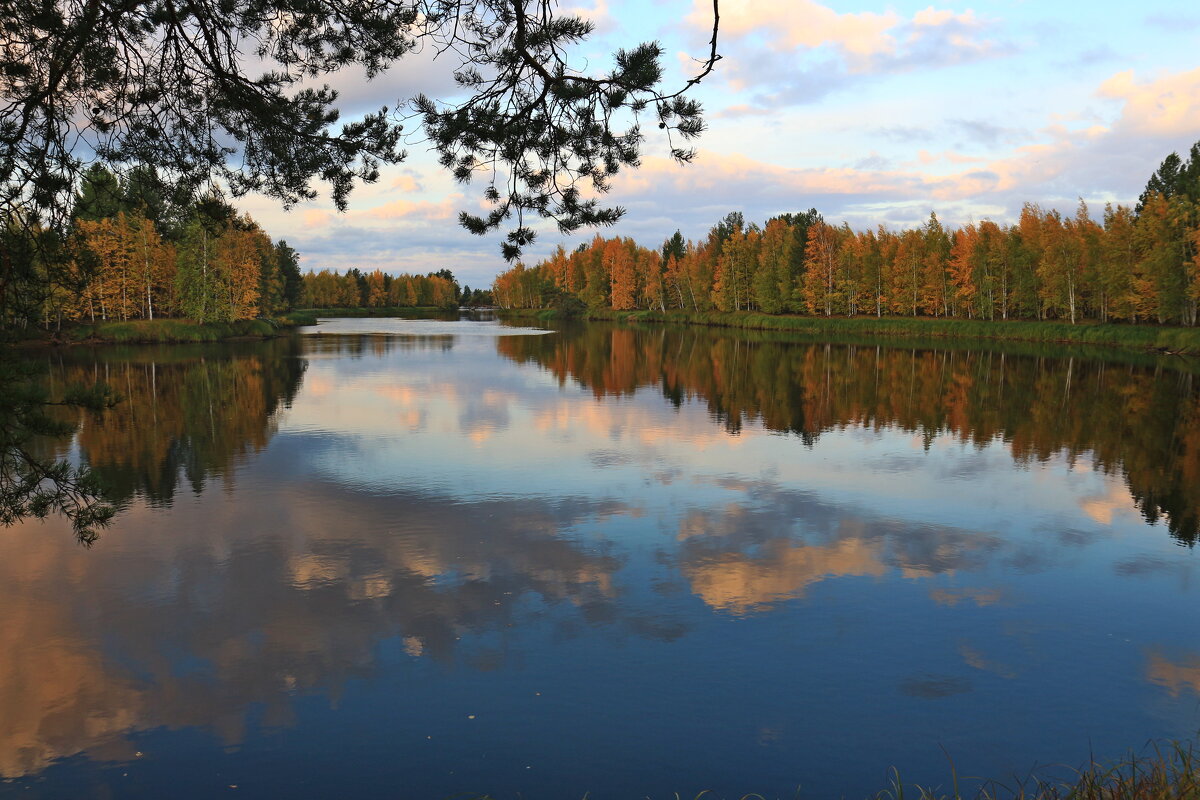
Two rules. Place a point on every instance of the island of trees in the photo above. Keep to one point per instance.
(1140, 264)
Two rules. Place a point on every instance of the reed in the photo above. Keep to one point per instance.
(1165, 772)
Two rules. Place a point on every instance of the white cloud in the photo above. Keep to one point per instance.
(800, 51)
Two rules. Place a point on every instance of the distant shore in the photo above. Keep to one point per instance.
(1162, 339)
(387, 311)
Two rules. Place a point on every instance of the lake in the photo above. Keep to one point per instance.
(423, 558)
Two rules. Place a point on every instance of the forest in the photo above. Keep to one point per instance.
(378, 289)
(1136, 264)
(133, 251)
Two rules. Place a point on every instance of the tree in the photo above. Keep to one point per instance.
(821, 263)
(198, 281)
(674, 247)
(1117, 262)
(771, 280)
(99, 195)
(792, 288)
(169, 86)
(936, 289)
(1174, 176)
(280, 279)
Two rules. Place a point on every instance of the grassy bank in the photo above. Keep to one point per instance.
(1142, 337)
(170, 331)
(176, 331)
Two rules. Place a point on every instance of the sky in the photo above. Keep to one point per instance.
(870, 113)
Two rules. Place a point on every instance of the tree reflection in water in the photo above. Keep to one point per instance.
(1135, 417)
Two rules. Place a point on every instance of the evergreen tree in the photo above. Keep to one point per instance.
(287, 263)
(674, 247)
(99, 197)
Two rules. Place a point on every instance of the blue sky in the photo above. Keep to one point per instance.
(872, 113)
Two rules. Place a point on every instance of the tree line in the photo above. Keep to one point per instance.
(378, 289)
(134, 252)
(1140, 264)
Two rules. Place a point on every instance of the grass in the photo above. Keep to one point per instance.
(304, 317)
(1166, 772)
(171, 331)
(1143, 337)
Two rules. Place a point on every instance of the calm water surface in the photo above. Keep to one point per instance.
(418, 558)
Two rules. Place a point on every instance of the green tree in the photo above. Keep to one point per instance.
(287, 263)
(674, 247)
(198, 285)
(1174, 176)
(99, 196)
(792, 284)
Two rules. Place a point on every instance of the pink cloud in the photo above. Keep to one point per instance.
(803, 23)
(1165, 106)
(406, 183)
(316, 218)
(417, 209)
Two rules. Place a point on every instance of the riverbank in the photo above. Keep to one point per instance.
(184, 331)
(1174, 340)
(161, 331)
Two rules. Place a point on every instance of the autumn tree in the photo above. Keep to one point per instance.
(1118, 259)
(821, 268)
(618, 260)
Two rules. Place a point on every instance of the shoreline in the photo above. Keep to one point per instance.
(173, 330)
(159, 331)
(1174, 341)
(1163, 340)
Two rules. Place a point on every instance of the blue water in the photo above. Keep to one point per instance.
(440, 560)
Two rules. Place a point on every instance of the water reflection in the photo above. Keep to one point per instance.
(1136, 420)
(187, 414)
(732, 554)
(747, 556)
(1177, 676)
(214, 628)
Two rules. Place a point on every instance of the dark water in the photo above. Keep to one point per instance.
(419, 558)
